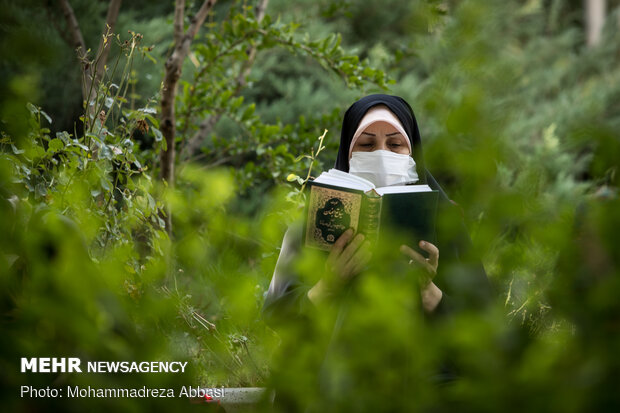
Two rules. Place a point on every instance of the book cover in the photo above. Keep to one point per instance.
(332, 209)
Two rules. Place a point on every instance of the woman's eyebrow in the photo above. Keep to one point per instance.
(368, 133)
(393, 134)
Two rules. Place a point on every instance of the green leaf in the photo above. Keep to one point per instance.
(40, 190)
(105, 152)
(16, 151)
(158, 135)
(154, 121)
(79, 145)
(66, 138)
(105, 184)
(248, 112)
(55, 145)
(32, 108)
(128, 143)
(47, 117)
(236, 103)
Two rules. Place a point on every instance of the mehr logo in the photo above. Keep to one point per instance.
(51, 365)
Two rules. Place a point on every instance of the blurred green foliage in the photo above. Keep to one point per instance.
(520, 125)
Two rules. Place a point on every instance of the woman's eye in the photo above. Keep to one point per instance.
(395, 145)
(366, 145)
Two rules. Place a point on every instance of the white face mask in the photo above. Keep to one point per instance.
(383, 168)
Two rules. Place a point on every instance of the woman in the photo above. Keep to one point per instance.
(380, 141)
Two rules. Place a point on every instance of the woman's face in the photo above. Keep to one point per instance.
(381, 135)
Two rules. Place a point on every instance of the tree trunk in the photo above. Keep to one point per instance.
(77, 40)
(595, 19)
(91, 75)
(173, 69)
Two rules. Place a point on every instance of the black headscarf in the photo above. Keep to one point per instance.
(455, 247)
(353, 116)
(288, 295)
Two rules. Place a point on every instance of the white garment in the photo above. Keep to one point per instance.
(383, 168)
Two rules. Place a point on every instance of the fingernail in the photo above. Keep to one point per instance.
(422, 243)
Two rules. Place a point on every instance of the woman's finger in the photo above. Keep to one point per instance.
(350, 250)
(413, 254)
(417, 257)
(433, 252)
(339, 245)
(359, 260)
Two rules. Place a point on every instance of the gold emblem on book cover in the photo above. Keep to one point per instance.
(330, 213)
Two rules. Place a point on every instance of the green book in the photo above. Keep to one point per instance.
(338, 201)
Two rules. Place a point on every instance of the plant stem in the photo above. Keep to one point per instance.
(313, 158)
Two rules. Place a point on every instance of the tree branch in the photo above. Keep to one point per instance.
(207, 125)
(199, 18)
(261, 8)
(74, 28)
(80, 48)
(61, 31)
(173, 69)
(595, 19)
(104, 45)
(247, 66)
(91, 76)
(204, 130)
(179, 14)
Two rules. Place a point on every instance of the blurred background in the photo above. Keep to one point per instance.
(154, 153)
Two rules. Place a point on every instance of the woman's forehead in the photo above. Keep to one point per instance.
(381, 127)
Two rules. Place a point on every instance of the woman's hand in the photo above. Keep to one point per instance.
(348, 256)
(431, 294)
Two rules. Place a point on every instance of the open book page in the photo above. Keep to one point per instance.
(342, 179)
(403, 189)
(345, 180)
